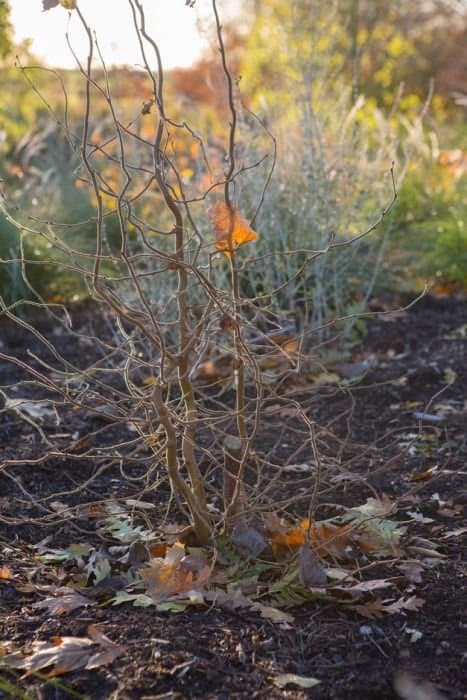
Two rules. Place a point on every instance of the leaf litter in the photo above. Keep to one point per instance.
(266, 567)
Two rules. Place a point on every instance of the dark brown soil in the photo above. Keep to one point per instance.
(420, 372)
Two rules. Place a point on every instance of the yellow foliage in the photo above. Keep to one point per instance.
(230, 229)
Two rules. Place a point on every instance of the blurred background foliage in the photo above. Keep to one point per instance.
(345, 87)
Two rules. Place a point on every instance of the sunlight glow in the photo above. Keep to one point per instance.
(174, 25)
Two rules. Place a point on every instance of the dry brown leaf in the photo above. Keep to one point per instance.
(108, 651)
(326, 378)
(412, 603)
(234, 599)
(280, 617)
(408, 687)
(356, 370)
(455, 533)
(249, 541)
(424, 475)
(376, 507)
(311, 572)
(412, 570)
(68, 654)
(230, 229)
(64, 603)
(331, 540)
(175, 574)
(372, 609)
(355, 589)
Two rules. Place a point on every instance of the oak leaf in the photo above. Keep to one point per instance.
(230, 228)
(66, 654)
(66, 601)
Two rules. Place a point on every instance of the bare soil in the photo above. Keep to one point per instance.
(409, 416)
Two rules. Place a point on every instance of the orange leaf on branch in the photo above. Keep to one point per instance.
(230, 229)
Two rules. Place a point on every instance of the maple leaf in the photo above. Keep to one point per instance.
(175, 574)
(230, 229)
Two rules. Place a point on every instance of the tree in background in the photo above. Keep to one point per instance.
(5, 29)
(377, 46)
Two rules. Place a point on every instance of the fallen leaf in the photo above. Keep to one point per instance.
(376, 507)
(172, 575)
(5, 573)
(326, 539)
(274, 615)
(136, 503)
(158, 550)
(292, 538)
(419, 518)
(372, 609)
(424, 475)
(412, 570)
(330, 540)
(412, 603)
(248, 541)
(285, 679)
(455, 533)
(138, 599)
(326, 378)
(98, 568)
(68, 654)
(408, 687)
(234, 599)
(311, 572)
(64, 603)
(230, 229)
(355, 589)
(356, 370)
(108, 652)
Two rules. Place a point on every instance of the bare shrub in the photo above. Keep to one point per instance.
(186, 355)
